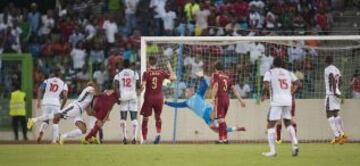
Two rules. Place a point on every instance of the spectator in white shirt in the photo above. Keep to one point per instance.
(48, 23)
(111, 29)
(78, 56)
(97, 55)
(196, 66)
(256, 50)
(270, 20)
(158, 6)
(255, 19)
(168, 18)
(76, 37)
(90, 30)
(265, 64)
(100, 76)
(130, 15)
(257, 4)
(296, 54)
(243, 89)
(201, 18)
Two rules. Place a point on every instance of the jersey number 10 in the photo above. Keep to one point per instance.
(53, 87)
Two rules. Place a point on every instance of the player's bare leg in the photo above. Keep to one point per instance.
(294, 141)
(271, 139)
(278, 133)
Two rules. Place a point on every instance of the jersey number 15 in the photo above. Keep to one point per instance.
(283, 84)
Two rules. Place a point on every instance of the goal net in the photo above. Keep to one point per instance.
(246, 59)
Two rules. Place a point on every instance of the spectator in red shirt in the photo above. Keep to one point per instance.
(322, 22)
(241, 8)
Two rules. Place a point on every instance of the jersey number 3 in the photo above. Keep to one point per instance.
(53, 87)
(154, 83)
(283, 84)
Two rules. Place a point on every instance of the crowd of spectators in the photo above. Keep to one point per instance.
(88, 39)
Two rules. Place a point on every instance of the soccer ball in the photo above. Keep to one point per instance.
(166, 82)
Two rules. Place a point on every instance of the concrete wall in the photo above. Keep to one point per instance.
(310, 116)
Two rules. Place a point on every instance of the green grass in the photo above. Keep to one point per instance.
(173, 155)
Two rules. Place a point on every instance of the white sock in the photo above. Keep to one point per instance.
(135, 128)
(55, 132)
(292, 134)
(339, 125)
(123, 127)
(73, 134)
(333, 126)
(271, 139)
(43, 127)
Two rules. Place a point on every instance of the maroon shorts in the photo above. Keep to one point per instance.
(100, 114)
(152, 103)
(222, 105)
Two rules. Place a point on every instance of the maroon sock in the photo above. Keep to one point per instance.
(92, 133)
(158, 126)
(225, 131)
(221, 130)
(144, 128)
(278, 132)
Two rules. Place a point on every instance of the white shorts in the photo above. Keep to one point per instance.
(278, 112)
(49, 111)
(129, 105)
(73, 111)
(332, 103)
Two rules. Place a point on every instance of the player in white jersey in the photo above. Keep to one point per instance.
(125, 83)
(75, 110)
(332, 78)
(53, 89)
(278, 83)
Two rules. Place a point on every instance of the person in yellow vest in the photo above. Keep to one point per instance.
(18, 111)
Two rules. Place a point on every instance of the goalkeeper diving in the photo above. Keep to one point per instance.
(198, 105)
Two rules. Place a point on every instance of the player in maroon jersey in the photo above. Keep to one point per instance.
(101, 108)
(222, 83)
(152, 82)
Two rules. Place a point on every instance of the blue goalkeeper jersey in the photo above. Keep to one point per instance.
(197, 102)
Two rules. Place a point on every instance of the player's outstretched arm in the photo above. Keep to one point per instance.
(172, 74)
(265, 91)
(238, 96)
(176, 104)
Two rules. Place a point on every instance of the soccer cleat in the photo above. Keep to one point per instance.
(94, 140)
(269, 154)
(278, 141)
(61, 140)
(30, 123)
(335, 140)
(240, 129)
(157, 139)
(133, 141)
(54, 142)
(295, 151)
(39, 138)
(84, 141)
(226, 142)
(343, 139)
(125, 141)
(143, 142)
(219, 142)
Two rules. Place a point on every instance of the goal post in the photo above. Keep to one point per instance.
(247, 67)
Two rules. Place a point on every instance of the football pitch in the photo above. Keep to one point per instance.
(173, 155)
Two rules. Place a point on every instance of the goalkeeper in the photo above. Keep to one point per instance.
(197, 104)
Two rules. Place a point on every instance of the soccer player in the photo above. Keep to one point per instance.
(278, 83)
(332, 80)
(75, 110)
(198, 105)
(222, 83)
(153, 99)
(53, 89)
(101, 108)
(125, 83)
